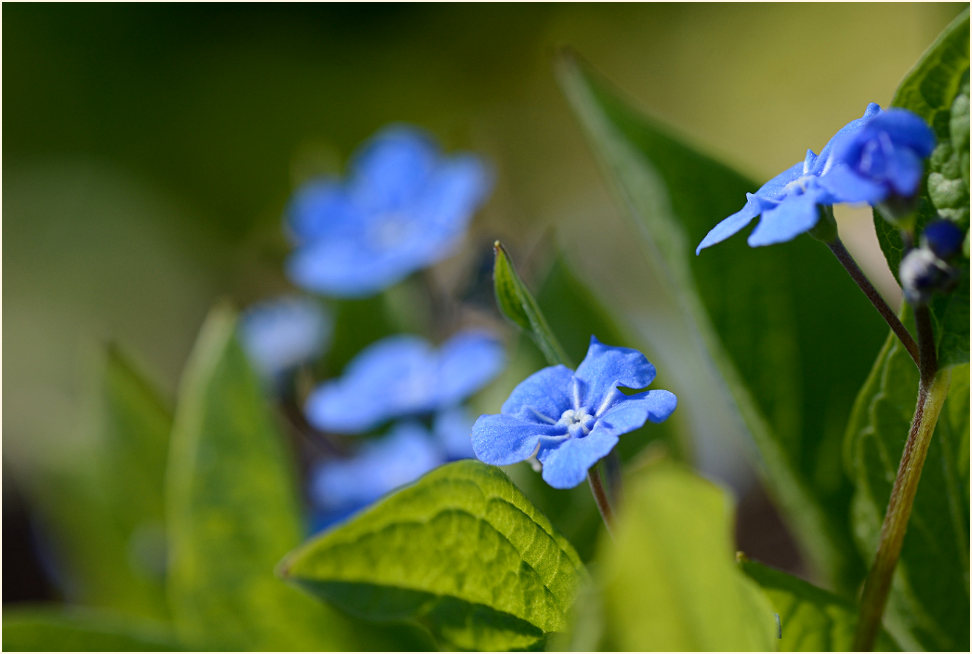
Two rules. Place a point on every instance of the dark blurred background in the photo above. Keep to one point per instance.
(150, 150)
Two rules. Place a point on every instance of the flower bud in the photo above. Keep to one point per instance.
(922, 273)
(944, 238)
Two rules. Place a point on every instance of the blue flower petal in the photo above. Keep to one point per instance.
(731, 225)
(566, 464)
(333, 267)
(467, 362)
(392, 168)
(379, 467)
(776, 187)
(390, 378)
(504, 439)
(284, 332)
(605, 368)
(454, 190)
(787, 220)
(543, 396)
(320, 208)
(657, 405)
(843, 135)
(766, 196)
(453, 430)
(847, 186)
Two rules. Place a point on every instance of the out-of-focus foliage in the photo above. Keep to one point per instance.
(811, 619)
(82, 630)
(672, 545)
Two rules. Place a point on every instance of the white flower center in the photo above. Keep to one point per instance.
(799, 185)
(577, 421)
(389, 230)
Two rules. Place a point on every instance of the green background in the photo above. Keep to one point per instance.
(150, 149)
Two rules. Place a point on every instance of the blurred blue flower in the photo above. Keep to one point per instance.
(452, 429)
(280, 334)
(341, 487)
(788, 203)
(570, 420)
(404, 375)
(403, 207)
(883, 158)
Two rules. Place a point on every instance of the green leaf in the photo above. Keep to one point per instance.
(109, 539)
(233, 512)
(517, 304)
(667, 580)
(46, 629)
(929, 603)
(937, 89)
(811, 619)
(461, 552)
(786, 329)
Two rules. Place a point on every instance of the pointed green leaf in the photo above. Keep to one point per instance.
(811, 619)
(48, 629)
(461, 552)
(667, 580)
(517, 303)
(937, 89)
(233, 511)
(793, 398)
(929, 603)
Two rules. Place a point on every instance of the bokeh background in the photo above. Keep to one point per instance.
(150, 151)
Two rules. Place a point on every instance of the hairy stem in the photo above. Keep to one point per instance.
(931, 396)
(846, 260)
(600, 497)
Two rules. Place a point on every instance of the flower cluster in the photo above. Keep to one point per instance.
(399, 378)
(569, 420)
(282, 333)
(875, 159)
(403, 206)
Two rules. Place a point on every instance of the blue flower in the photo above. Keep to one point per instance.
(570, 420)
(280, 334)
(404, 375)
(341, 486)
(403, 207)
(788, 203)
(883, 158)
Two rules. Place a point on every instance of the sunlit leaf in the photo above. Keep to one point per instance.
(667, 581)
(461, 552)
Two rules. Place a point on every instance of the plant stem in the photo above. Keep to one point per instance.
(931, 396)
(846, 260)
(600, 497)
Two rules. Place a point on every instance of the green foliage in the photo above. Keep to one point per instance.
(793, 374)
(110, 536)
(79, 630)
(516, 303)
(232, 511)
(929, 602)
(461, 552)
(937, 89)
(667, 580)
(811, 619)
